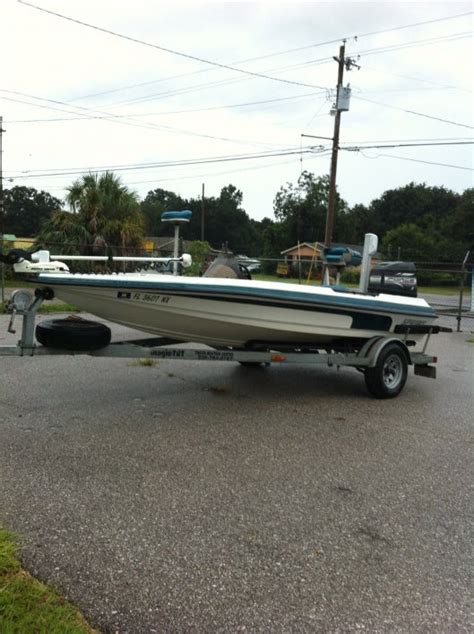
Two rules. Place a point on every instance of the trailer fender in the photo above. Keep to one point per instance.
(374, 347)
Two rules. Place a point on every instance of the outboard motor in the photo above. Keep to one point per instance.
(227, 266)
(394, 278)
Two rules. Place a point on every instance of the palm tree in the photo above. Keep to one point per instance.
(64, 231)
(104, 212)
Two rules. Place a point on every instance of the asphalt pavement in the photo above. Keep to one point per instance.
(208, 497)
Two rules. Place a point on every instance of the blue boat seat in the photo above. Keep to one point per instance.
(177, 216)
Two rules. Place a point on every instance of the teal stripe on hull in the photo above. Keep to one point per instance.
(219, 292)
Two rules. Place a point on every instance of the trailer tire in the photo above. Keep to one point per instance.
(73, 334)
(388, 377)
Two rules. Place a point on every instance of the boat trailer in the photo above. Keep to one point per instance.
(384, 361)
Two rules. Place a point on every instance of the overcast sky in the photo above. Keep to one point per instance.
(76, 98)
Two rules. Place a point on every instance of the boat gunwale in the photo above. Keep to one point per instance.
(243, 293)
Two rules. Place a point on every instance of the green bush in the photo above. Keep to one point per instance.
(199, 252)
(350, 276)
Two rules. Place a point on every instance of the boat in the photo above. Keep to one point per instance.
(242, 320)
(237, 313)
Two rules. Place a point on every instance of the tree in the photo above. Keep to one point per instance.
(418, 204)
(26, 208)
(155, 203)
(199, 252)
(225, 220)
(227, 223)
(463, 219)
(104, 212)
(302, 209)
(64, 230)
(409, 242)
(357, 222)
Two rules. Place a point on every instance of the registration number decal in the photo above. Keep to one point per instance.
(149, 298)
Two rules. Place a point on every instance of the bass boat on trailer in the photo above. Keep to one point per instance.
(239, 313)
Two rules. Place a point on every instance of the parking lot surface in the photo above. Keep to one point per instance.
(209, 497)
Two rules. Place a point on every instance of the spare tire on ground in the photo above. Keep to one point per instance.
(73, 334)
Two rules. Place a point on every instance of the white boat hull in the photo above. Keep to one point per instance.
(235, 312)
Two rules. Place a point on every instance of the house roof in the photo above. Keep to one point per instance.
(319, 246)
(315, 246)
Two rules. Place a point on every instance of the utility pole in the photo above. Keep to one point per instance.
(341, 105)
(335, 147)
(202, 214)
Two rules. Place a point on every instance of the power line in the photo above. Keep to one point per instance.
(412, 140)
(300, 48)
(408, 26)
(149, 125)
(161, 179)
(143, 166)
(405, 158)
(194, 58)
(431, 40)
(227, 81)
(110, 117)
(354, 148)
(169, 112)
(234, 171)
(301, 65)
(200, 87)
(419, 114)
(203, 70)
(218, 159)
(410, 77)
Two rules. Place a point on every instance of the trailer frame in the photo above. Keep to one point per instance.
(366, 359)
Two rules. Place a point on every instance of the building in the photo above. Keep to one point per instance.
(306, 258)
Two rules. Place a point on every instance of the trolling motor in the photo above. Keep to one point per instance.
(14, 256)
(43, 262)
(38, 262)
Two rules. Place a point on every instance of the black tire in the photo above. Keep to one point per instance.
(73, 334)
(252, 364)
(388, 377)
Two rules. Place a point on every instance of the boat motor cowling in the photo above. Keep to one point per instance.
(227, 266)
(394, 278)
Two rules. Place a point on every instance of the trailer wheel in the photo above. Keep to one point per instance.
(252, 364)
(73, 334)
(387, 378)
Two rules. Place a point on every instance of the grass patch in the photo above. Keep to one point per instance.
(471, 340)
(15, 283)
(58, 308)
(147, 362)
(50, 308)
(448, 291)
(26, 605)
